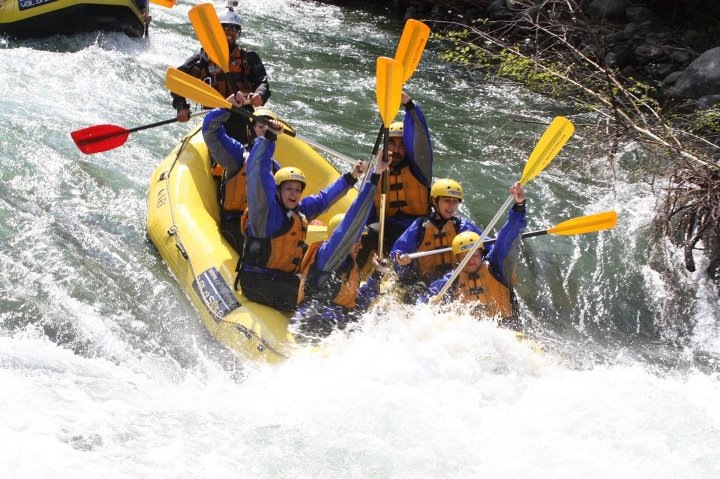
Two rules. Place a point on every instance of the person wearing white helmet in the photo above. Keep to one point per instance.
(247, 77)
(487, 281)
(409, 177)
(330, 292)
(275, 222)
(432, 232)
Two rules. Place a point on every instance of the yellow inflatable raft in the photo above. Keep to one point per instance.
(182, 223)
(41, 18)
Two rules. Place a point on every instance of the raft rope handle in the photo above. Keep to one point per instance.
(262, 343)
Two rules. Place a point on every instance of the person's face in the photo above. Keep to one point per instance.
(260, 129)
(447, 207)
(232, 32)
(396, 149)
(355, 250)
(290, 193)
(473, 265)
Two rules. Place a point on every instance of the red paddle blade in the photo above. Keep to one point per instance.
(98, 138)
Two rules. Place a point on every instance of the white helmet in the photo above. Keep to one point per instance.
(229, 17)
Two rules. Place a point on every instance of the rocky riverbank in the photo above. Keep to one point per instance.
(674, 44)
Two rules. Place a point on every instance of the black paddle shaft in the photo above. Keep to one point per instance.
(264, 121)
(152, 125)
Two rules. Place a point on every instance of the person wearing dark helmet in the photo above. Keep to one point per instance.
(258, 128)
(433, 232)
(247, 76)
(231, 167)
(275, 224)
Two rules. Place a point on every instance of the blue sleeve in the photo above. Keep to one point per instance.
(416, 138)
(367, 293)
(398, 223)
(503, 256)
(466, 225)
(265, 215)
(435, 288)
(407, 243)
(314, 205)
(334, 251)
(227, 151)
(374, 216)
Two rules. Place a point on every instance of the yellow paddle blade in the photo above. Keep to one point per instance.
(411, 47)
(585, 224)
(211, 35)
(164, 3)
(388, 88)
(554, 138)
(194, 89)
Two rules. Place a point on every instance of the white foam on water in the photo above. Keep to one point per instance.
(412, 394)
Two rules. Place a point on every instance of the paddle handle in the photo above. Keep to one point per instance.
(420, 254)
(373, 155)
(250, 116)
(508, 202)
(381, 238)
(326, 149)
(383, 194)
(164, 122)
(151, 125)
(486, 243)
(534, 233)
(574, 226)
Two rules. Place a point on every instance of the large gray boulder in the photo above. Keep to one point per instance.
(701, 77)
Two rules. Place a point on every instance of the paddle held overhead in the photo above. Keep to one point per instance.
(549, 145)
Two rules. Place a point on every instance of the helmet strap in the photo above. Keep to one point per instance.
(435, 206)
